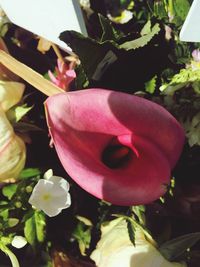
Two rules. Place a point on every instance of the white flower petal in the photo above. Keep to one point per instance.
(19, 241)
(48, 174)
(59, 180)
(51, 195)
(115, 249)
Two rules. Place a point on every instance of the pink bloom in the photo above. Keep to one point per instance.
(118, 147)
(64, 75)
(196, 55)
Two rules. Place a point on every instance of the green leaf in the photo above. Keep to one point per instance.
(13, 222)
(9, 190)
(150, 86)
(102, 56)
(84, 220)
(34, 229)
(181, 79)
(108, 31)
(142, 41)
(16, 113)
(160, 10)
(24, 127)
(176, 247)
(131, 231)
(4, 208)
(10, 254)
(4, 214)
(181, 8)
(136, 225)
(81, 78)
(29, 172)
(139, 211)
(82, 234)
(146, 29)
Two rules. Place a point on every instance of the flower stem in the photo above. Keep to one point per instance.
(29, 75)
(57, 52)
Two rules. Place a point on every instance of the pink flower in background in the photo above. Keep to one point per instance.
(196, 55)
(64, 75)
(195, 63)
(118, 147)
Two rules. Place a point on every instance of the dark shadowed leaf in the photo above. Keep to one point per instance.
(176, 247)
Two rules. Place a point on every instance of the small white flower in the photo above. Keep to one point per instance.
(48, 174)
(51, 194)
(19, 241)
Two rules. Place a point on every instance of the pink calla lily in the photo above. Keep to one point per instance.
(118, 147)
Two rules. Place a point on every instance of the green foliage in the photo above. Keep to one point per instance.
(108, 31)
(185, 76)
(101, 58)
(159, 9)
(83, 47)
(150, 86)
(34, 229)
(174, 248)
(181, 8)
(16, 113)
(142, 41)
(132, 224)
(9, 190)
(29, 172)
(82, 234)
(17, 213)
(139, 211)
(131, 231)
(10, 254)
(24, 127)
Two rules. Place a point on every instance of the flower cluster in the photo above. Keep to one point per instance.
(64, 75)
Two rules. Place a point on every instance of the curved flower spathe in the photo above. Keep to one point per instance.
(115, 249)
(12, 150)
(51, 195)
(10, 93)
(12, 147)
(118, 147)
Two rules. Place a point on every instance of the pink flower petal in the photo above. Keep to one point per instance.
(86, 124)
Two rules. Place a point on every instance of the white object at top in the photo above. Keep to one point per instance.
(190, 31)
(46, 18)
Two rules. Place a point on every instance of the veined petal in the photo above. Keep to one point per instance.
(12, 159)
(115, 249)
(12, 150)
(6, 130)
(10, 93)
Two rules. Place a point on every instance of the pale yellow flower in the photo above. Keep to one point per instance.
(12, 147)
(116, 250)
(10, 93)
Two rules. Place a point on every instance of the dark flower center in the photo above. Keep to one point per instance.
(116, 156)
